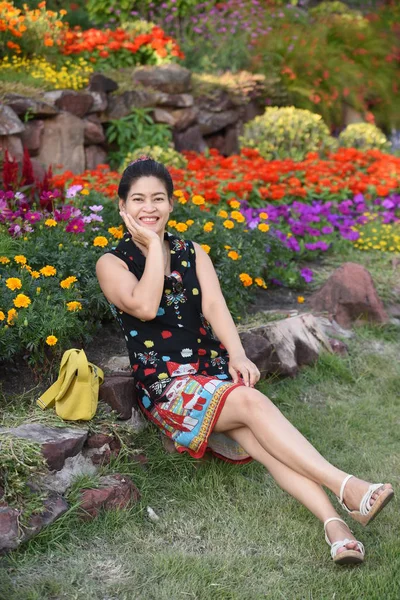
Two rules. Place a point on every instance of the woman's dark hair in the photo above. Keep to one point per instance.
(144, 168)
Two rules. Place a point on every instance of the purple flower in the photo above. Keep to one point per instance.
(307, 275)
(73, 190)
(96, 208)
(76, 226)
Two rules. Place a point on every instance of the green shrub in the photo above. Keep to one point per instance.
(167, 156)
(363, 136)
(287, 132)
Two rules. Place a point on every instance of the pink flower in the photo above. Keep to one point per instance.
(76, 226)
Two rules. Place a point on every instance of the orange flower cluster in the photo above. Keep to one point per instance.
(99, 43)
(101, 179)
(30, 27)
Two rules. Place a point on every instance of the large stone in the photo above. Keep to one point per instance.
(57, 443)
(100, 83)
(185, 118)
(170, 78)
(32, 136)
(120, 394)
(190, 139)
(225, 141)
(74, 467)
(121, 106)
(13, 145)
(349, 295)
(100, 447)
(210, 122)
(53, 507)
(34, 107)
(100, 102)
(160, 115)
(93, 132)
(76, 103)
(10, 123)
(9, 528)
(118, 366)
(62, 144)
(217, 101)
(115, 491)
(95, 155)
(175, 100)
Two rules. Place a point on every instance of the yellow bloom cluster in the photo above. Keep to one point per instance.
(72, 75)
(100, 241)
(74, 306)
(260, 282)
(117, 232)
(67, 282)
(208, 227)
(378, 236)
(246, 279)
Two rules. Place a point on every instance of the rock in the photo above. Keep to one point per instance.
(137, 422)
(252, 110)
(163, 116)
(170, 78)
(190, 139)
(100, 447)
(339, 347)
(330, 327)
(100, 102)
(13, 145)
(9, 528)
(175, 100)
(38, 169)
(74, 467)
(168, 444)
(225, 141)
(282, 347)
(36, 108)
(95, 155)
(76, 103)
(93, 132)
(118, 365)
(54, 507)
(32, 136)
(115, 491)
(121, 106)
(217, 101)
(10, 124)
(58, 443)
(349, 295)
(120, 394)
(100, 83)
(62, 143)
(185, 117)
(210, 122)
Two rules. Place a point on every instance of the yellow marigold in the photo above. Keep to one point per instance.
(263, 227)
(198, 200)
(11, 316)
(260, 282)
(13, 283)
(51, 340)
(20, 259)
(22, 301)
(74, 306)
(38, 290)
(263, 215)
(48, 271)
(233, 255)
(67, 282)
(181, 227)
(228, 224)
(208, 226)
(4, 260)
(182, 200)
(50, 222)
(227, 247)
(235, 214)
(178, 193)
(300, 299)
(223, 214)
(85, 192)
(189, 222)
(100, 240)
(117, 232)
(245, 279)
(234, 204)
(35, 274)
(2, 316)
(206, 248)
(171, 223)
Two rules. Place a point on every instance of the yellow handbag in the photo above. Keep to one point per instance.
(75, 393)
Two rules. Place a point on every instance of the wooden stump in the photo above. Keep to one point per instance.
(281, 347)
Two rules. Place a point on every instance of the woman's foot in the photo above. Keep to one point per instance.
(361, 509)
(337, 531)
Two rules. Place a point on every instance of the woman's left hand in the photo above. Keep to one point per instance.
(241, 365)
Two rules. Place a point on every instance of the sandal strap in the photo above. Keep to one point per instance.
(336, 545)
(328, 521)
(340, 498)
(365, 505)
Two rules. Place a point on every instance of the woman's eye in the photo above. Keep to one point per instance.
(159, 199)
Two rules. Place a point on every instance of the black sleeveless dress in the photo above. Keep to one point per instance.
(180, 367)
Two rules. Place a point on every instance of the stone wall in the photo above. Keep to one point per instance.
(65, 128)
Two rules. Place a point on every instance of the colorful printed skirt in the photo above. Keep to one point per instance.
(191, 409)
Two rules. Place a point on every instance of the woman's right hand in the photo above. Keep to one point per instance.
(140, 235)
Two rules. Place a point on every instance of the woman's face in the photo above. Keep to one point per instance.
(147, 203)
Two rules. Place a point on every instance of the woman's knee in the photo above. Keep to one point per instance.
(250, 403)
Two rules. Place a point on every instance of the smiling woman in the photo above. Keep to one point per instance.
(193, 378)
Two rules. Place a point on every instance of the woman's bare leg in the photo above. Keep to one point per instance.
(247, 407)
(309, 493)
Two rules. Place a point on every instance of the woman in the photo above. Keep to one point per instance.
(193, 378)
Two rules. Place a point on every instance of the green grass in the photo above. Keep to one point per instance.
(229, 533)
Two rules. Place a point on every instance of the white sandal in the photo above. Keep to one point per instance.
(366, 512)
(347, 557)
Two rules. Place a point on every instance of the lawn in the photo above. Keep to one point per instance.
(229, 532)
